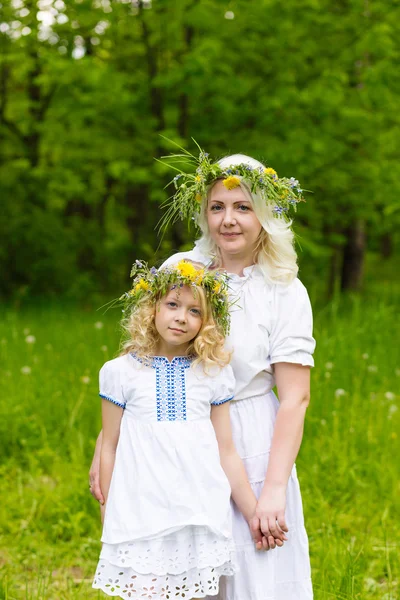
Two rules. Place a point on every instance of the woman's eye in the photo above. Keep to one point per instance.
(243, 207)
(216, 207)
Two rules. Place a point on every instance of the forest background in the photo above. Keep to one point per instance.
(89, 90)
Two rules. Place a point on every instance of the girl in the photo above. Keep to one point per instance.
(167, 520)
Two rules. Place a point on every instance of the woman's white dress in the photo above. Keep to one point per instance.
(168, 523)
(270, 323)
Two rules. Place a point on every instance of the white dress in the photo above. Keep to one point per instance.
(270, 323)
(168, 523)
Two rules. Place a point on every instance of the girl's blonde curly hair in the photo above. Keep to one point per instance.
(141, 336)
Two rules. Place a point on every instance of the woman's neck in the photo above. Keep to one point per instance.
(236, 264)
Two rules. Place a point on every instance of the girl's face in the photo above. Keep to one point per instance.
(232, 222)
(178, 319)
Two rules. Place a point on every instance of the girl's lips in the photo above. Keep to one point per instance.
(177, 330)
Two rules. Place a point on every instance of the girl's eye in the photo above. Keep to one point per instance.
(196, 312)
(172, 304)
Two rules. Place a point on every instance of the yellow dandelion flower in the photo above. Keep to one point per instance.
(231, 182)
(217, 287)
(284, 194)
(142, 285)
(199, 277)
(187, 270)
(197, 179)
(270, 172)
(198, 198)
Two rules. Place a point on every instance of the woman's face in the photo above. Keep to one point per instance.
(232, 222)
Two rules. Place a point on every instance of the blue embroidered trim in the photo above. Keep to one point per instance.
(112, 400)
(221, 401)
(170, 386)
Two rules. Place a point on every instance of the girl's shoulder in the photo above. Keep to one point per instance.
(116, 365)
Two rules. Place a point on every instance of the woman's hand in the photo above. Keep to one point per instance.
(94, 473)
(270, 516)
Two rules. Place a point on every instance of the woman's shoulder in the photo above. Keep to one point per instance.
(195, 255)
(292, 290)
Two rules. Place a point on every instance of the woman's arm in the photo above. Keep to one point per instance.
(232, 464)
(293, 384)
(111, 417)
(94, 472)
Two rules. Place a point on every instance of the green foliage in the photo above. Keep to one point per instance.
(312, 88)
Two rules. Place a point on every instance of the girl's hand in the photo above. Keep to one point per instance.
(94, 473)
(270, 512)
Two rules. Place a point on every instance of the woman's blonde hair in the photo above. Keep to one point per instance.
(141, 336)
(275, 253)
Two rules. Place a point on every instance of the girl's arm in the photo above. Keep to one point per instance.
(232, 464)
(94, 472)
(111, 417)
(293, 384)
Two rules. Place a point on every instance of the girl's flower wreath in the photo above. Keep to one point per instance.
(155, 283)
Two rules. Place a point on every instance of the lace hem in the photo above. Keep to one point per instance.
(127, 583)
(175, 553)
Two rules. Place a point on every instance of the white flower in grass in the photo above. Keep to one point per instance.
(392, 409)
(26, 370)
(340, 392)
(98, 325)
(104, 348)
(229, 15)
(27, 331)
(390, 396)
(85, 379)
(372, 368)
(329, 366)
(30, 339)
(365, 356)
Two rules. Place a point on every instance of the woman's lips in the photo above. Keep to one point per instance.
(230, 234)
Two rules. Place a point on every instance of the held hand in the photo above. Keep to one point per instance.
(271, 513)
(261, 541)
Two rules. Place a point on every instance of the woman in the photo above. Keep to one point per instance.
(240, 206)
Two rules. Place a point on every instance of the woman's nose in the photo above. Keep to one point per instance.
(229, 218)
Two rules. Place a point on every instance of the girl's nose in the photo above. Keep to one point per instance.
(181, 316)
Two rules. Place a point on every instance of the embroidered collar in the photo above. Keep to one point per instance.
(162, 361)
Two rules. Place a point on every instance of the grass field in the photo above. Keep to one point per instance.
(50, 416)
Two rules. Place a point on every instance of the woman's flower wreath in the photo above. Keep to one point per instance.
(191, 188)
(157, 282)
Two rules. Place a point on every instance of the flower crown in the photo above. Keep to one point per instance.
(191, 188)
(155, 283)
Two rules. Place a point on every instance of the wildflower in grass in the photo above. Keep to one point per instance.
(365, 356)
(30, 339)
(397, 372)
(27, 331)
(392, 409)
(393, 435)
(98, 325)
(372, 368)
(339, 392)
(104, 348)
(327, 375)
(323, 422)
(26, 370)
(85, 379)
(390, 396)
(329, 365)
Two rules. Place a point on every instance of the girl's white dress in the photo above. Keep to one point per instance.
(270, 323)
(168, 523)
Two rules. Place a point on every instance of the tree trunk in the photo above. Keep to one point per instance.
(353, 256)
(386, 245)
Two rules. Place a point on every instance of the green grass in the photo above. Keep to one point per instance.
(50, 416)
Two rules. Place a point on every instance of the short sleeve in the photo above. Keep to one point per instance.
(224, 386)
(111, 384)
(291, 337)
